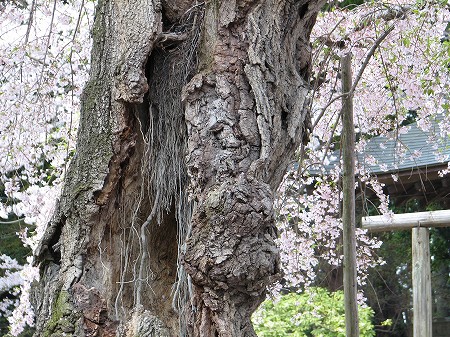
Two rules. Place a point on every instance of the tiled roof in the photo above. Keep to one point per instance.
(401, 152)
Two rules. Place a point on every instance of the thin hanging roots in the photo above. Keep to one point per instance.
(163, 171)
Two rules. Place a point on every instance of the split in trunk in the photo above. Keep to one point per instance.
(189, 120)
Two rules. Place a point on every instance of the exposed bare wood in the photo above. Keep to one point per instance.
(379, 223)
(421, 273)
(421, 282)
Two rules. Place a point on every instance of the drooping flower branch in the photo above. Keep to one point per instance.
(44, 62)
(400, 61)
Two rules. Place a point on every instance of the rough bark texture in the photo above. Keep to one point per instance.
(114, 260)
(245, 112)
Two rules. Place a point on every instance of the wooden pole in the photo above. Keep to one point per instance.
(421, 269)
(379, 223)
(348, 204)
(421, 282)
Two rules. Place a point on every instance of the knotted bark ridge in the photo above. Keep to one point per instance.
(246, 112)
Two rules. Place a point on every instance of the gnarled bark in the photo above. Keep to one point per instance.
(190, 117)
(246, 112)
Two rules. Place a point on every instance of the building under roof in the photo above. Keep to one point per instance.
(408, 163)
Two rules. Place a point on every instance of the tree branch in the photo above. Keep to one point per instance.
(10, 222)
(369, 55)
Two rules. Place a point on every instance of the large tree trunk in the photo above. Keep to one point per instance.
(163, 229)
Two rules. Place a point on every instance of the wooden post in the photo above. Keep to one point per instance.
(348, 203)
(421, 268)
(421, 282)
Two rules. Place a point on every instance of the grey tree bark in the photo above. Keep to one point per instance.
(165, 226)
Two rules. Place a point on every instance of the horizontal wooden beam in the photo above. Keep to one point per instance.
(380, 223)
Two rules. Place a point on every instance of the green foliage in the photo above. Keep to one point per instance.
(10, 243)
(316, 312)
(345, 4)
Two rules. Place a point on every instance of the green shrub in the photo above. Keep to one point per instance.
(316, 312)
